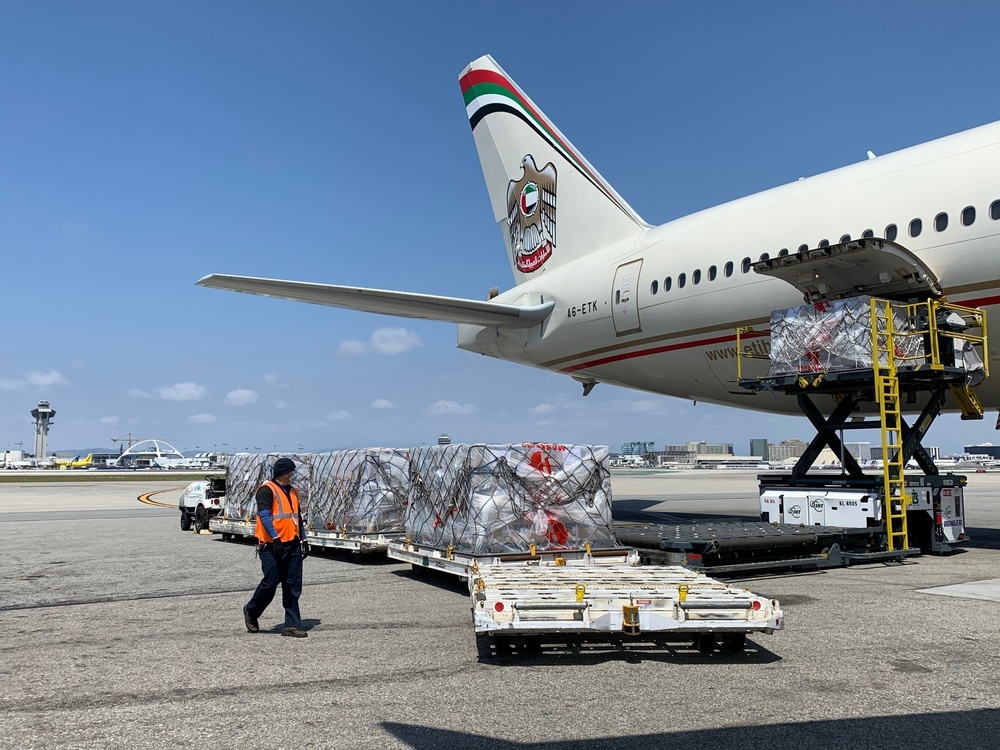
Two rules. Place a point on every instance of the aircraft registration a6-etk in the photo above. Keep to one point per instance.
(604, 297)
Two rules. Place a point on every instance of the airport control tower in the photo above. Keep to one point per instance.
(43, 415)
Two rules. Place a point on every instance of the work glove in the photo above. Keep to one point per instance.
(305, 548)
(277, 546)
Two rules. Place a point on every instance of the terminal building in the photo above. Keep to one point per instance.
(758, 448)
(986, 449)
(786, 449)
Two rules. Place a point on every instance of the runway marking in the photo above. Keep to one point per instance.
(146, 497)
(982, 590)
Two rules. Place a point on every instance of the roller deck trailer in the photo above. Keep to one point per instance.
(232, 527)
(357, 543)
(528, 605)
(462, 564)
(751, 546)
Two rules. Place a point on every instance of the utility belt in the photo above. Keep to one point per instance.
(295, 543)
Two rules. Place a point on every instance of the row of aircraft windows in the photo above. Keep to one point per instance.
(914, 229)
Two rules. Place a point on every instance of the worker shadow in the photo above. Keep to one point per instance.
(915, 731)
(624, 650)
(307, 624)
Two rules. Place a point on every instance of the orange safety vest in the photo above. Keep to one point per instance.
(284, 514)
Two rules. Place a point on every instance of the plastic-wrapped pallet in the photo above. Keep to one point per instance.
(248, 471)
(487, 499)
(834, 335)
(360, 491)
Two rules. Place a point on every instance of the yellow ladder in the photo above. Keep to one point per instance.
(895, 499)
(967, 401)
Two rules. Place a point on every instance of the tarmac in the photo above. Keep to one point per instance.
(121, 631)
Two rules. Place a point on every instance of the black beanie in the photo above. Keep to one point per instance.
(283, 466)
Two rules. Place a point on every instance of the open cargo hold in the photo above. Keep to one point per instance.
(489, 501)
(357, 498)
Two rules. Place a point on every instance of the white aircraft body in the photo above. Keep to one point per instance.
(604, 297)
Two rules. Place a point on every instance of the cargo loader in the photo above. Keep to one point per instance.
(851, 361)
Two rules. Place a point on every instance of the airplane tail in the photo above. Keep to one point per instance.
(537, 180)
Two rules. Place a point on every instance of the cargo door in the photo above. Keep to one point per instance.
(817, 509)
(851, 509)
(625, 298)
(870, 266)
(795, 508)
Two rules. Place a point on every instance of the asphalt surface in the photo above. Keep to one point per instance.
(120, 631)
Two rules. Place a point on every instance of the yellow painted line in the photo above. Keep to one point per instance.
(146, 497)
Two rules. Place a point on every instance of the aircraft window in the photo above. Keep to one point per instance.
(654, 287)
(995, 210)
(729, 269)
(846, 238)
(968, 216)
(783, 252)
(868, 234)
(764, 256)
(618, 296)
(681, 279)
(666, 284)
(940, 222)
(696, 277)
(712, 273)
(802, 248)
(746, 265)
(890, 232)
(916, 227)
(824, 243)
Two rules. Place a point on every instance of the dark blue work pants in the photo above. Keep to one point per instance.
(285, 569)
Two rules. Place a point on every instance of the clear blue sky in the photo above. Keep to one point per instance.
(143, 146)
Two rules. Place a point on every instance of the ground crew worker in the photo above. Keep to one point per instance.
(281, 543)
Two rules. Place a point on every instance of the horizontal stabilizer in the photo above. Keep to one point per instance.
(401, 304)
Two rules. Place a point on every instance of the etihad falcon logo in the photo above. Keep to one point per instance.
(531, 215)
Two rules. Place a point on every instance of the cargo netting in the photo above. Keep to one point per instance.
(359, 491)
(246, 472)
(835, 335)
(492, 499)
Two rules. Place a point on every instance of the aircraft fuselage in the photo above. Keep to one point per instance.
(659, 314)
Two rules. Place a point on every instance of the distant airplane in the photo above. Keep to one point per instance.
(75, 463)
(604, 297)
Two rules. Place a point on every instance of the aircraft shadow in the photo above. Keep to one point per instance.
(983, 538)
(971, 730)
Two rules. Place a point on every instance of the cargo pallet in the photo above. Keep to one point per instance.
(463, 564)
(529, 605)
